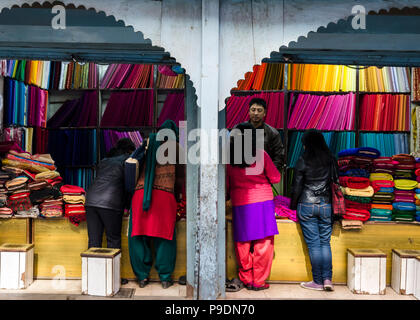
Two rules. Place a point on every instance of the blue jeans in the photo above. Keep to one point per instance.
(315, 222)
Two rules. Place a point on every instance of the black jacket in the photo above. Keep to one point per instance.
(273, 145)
(108, 190)
(312, 184)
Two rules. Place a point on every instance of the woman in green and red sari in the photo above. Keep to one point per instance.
(153, 213)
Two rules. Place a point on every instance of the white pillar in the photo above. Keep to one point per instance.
(208, 235)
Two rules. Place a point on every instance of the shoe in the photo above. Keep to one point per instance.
(143, 283)
(182, 280)
(249, 286)
(234, 285)
(263, 287)
(124, 281)
(328, 286)
(312, 286)
(167, 284)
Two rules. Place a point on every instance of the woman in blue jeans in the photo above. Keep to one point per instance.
(311, 197)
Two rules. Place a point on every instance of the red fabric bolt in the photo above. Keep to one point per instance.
(358, 182)
(383, 184)
(72, 189)
(417, 172)
(356, 205)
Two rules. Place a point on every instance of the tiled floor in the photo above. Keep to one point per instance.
(70, 290)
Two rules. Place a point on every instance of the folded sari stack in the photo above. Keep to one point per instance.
(51, 208)
(354, 170)
(381, 209)
(74, 203)
(404, 206)
(417, 190)
(282, 208)
(18, 194)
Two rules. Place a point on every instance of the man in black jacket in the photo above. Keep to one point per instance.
(272, 140)
(106, 198)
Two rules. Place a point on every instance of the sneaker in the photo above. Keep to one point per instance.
(328, 286)
(312, 286)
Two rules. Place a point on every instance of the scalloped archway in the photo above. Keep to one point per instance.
(94, 36)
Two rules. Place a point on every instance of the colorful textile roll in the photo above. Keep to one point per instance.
(386, 189)
(354, 182)
(382, 206)
(404, 206)
(383, 183)
(380, 176)
(404, 184)
(359, 199)
(404, 158)
(382, 196)
(366, 192)
(356, 205)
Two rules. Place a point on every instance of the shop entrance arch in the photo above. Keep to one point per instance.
(91, 36)
(390, 39)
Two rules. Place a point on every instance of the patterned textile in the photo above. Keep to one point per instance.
(164, 178)
(19, 202)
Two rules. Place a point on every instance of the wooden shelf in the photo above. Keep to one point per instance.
(129, 128)
(71, 128)
(125, 89)
(367, 92)
(321, 130)
(384, 131)
(75, 166)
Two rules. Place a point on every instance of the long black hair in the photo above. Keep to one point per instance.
(316, 151)
(123, 146)
(237, 139)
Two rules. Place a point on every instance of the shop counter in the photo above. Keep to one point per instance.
(15, 230)
(58, 245)
(291, 260)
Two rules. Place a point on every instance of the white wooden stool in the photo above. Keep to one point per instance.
(366, 271)
(417, 278)
(16, 265)
(403, 271)
(101, 271)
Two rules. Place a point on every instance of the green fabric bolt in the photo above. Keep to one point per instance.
(358, 199)
(151, 162)
(397, 212)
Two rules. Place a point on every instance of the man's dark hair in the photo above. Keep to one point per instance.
(259, 101)
(123, 146)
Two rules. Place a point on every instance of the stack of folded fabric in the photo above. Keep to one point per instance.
(51, 208)
(6, 212)
(354, 167)
(383, 184)
(74, 199)
(31, 213)
(282, 208)
(18, 199)
(404, 206)
(351, 224)
(417, 190)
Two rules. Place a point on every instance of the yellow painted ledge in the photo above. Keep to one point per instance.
(58, 245)
(14, 230)
(291, 261)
